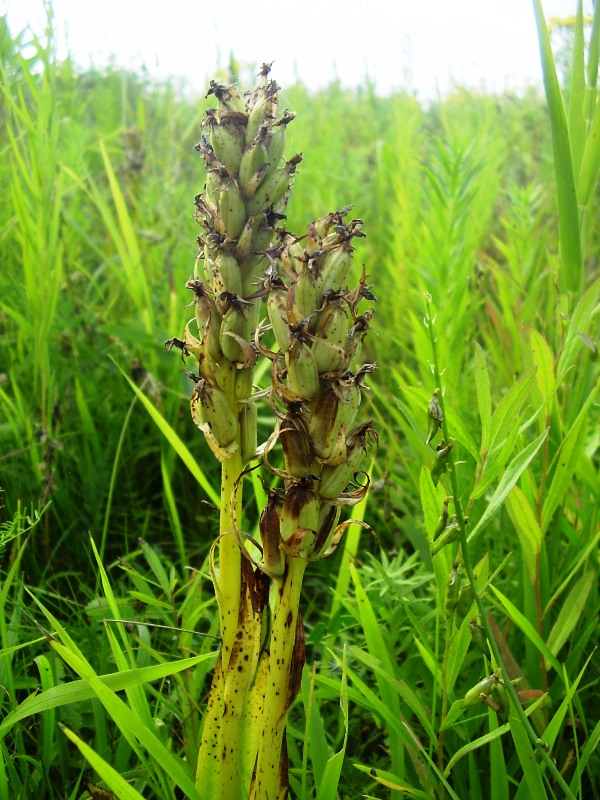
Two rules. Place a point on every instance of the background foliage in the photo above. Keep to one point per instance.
(105, 514)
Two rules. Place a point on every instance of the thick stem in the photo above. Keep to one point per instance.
(278, 691)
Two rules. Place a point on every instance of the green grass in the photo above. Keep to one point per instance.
(490, 205)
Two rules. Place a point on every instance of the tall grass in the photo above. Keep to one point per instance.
(105, 597)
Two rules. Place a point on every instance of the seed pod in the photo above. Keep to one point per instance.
(440, 462)
(226, 276)
(271, 189)
(442, 521)
(452, 588)
(232, 210)
(270, 536)
(447, 537)
(435, 417)
(277, 310)
(208, 319)
(234, 327)
(303, 375)
(334, 414)
(334, 479)
(226, 144)
(480, 639)
(210, 408)
(464, 603)
(335, 269)
(245, 246)
(300, 509)
(252, 167)
(292, 258)
(473, 696)
(277, 137)
(304, 292)
(262, 111)
(330, 336)
(296, 444)
(248, 436)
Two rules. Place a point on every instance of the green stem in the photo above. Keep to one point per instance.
(286, 600)
(463, 540)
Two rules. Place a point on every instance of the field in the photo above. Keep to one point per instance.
(481, 257)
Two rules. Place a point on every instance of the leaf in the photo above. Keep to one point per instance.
(531, 771)
(328, 786)
(115, 782)
(571, 260)
(571, 611)
(513, 472)
(590, 165)
(527, 528)
(175, 442)
(581, 317)
(568, 458)
(484, 401)
(543, 358)
(525, 625)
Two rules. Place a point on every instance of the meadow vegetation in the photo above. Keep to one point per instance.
(468, 670)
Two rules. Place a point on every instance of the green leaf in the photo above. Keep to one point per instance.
(580, 320)
(115, 782)
(513, 472)
(528, 530)
(328, 786)
(175, 442)
(484, 400)
(432, 500)
(543, 358)
(568, 458)
(525, 625)
(571, 260)
(577, 95)
(571, 611)
(531, 770)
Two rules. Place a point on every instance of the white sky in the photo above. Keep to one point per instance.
(419, 45)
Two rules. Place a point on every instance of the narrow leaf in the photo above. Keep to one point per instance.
(484, 401)
(527, 528)
(571, 261)
(571, 612)
(513, 472)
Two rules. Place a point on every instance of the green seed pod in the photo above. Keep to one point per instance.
(276, 139)
(440, 462)
(304, 292)
(303, 375)
(434, 415)
(277, 310)
(245, 246)
(292, 258)
(480, 639)
(234, 327)
(271, 189)
(465, 601)
(226, 276)
(442, 521)
(335, 269)
(248, 436)
(208, 319)
(210, 408)
(330, 338)
(485, 686)
(300, 509)
(232, 210)
(452, 588)
(252, 167)
(225, 141)
(262, 111)
(334, 479)
(447, 537)
(243, 384)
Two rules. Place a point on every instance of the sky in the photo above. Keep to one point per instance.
(423, 46)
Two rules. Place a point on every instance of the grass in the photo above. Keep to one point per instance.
(107, 490)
